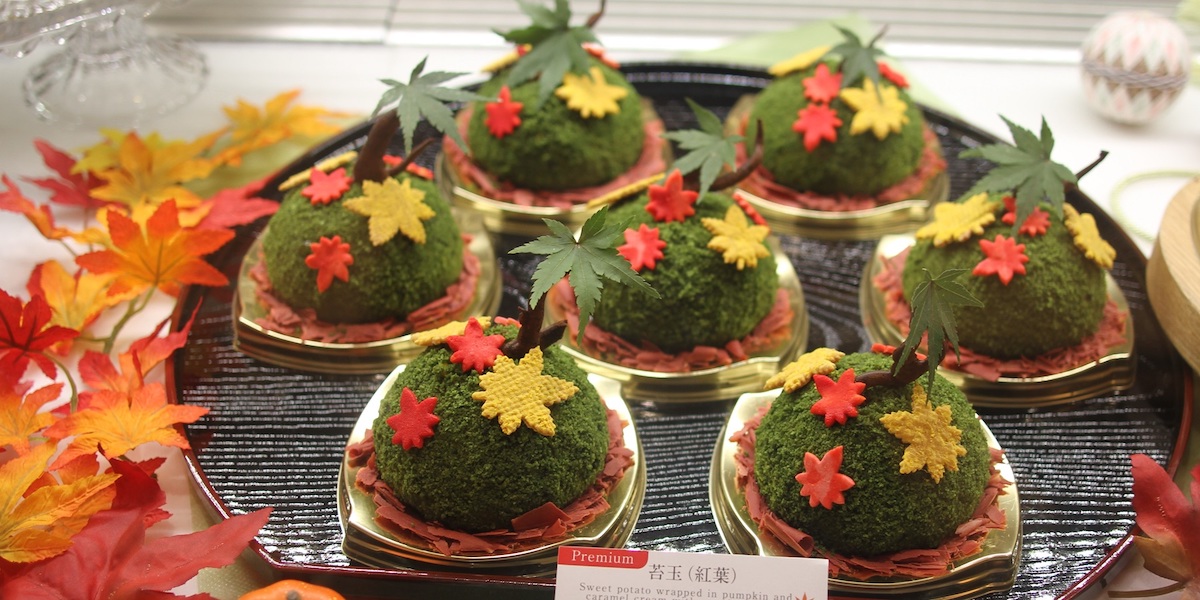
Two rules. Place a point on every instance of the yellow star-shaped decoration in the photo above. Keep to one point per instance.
(589, 95)
(932, 440)
(325, 166)
(736, 239)
(880, 111)
(799, 372)
(958, 221)
(392, 207)
(1087, 237)
(798, 62)
(520, 393)
(433, 337)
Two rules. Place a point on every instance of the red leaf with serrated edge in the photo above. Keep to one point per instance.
(671, 202)
(822, 86)
(1037, 223)
(324, 188)
(821, 481)
(1004, 258)
(503, 115)
(331, 259)
(11, 199)
(642, 247)
(1170, 521)
(839, 400)
(891, 75)
(817, 122)
(237, 206)
(414, 423)
(26, 333)
(71, 189)
(473, 350)
(413, 168)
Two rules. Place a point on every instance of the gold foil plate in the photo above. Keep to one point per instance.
(992, 569)
(368, 542)
(1113, 371)
(287, 350)
(712, 384)
(865, 224)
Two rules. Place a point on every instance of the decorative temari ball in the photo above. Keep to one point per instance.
(1135, 63)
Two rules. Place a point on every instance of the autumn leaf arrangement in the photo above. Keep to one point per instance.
(73, 509)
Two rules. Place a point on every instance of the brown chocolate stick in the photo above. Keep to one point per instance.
(1088, 169)
(910, 371)
(370, 165)
(531, 334)
(408, 160)
(732, 178)
(596, 16)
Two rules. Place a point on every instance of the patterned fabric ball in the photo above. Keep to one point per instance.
(1135, 64)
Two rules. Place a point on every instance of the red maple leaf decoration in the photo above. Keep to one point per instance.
(671, 202)
(473, 350)
(503, 115)
(412, 167)
(1005, 258)
(642, 247)
(26, 333)
(237, 206)
(889, 349)
(414, 423)
(1171, 544)
(71, 189)
(822, 85)
(821, 482)
(817, 122)
(324, 188)
(740, 199)
(838, 399)
(891, 75)
(1037, 223)
(330, 258)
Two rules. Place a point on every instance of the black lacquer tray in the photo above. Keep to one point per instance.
(275, 437)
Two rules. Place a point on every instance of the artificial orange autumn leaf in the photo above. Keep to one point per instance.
(253, 128)
(76, 300)
(21, 414)
(152, 171)
(162, 255)
(12, 200)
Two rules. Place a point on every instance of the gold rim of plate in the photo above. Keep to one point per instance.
(865, 224)
(1114, 371)
(712, 384)
(378, 356)
(992, 569)
(369, 543)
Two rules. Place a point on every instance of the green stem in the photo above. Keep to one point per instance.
(1174, 587)
(70, 381)
(132, 310)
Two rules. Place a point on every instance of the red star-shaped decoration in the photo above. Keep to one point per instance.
(1005, 258)
(838, 399)
(1035, 224)
(822, 86)
(324, 188)
(671, 202)
(642, 247)
(473, 350)
(330, 258)
(821, 482)
(414, 423)
(817, 122)
(503, 115)
(896, 78)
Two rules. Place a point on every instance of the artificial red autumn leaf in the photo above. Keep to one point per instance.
(822, 86)
(1035, 224)
(26, 333)
(414, 423)
(817, 122)
(642, 247)
(231, 207)
(1171, 546)
(892, 75)
(12, 200)
(821, 482)
(330, 258)
(324, 188)
(164, 254)
(70, 188)
(671, 202)
(840, 399)
(1004, 258)
(504, 115)
(472, 349)
(97, 370)
(21, 414)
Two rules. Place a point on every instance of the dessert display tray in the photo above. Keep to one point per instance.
(275, 436)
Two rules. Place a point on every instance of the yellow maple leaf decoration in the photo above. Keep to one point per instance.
(325, 166)
(798, 62)
(590, 95)
(881, 111)
(392, 207)
(252, 127)
(148, 172)
(1087, 237)
(21, 414)
(799, 372)
(958, 221)
(519, 393)
(439, 335)
(932, 440)
(736, 239)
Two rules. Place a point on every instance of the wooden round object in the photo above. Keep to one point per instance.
(1173, 273)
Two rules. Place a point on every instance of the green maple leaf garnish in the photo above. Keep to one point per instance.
(858, 61)
(589, 261)
(1025, 169)
(556, 47)
(423, 96)
(932, 303)
(709, 150)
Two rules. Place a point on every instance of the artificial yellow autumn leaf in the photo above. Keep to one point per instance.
(736, 239)
(392, 207)
(100, 156)
(881, 111)
(932, 440)
(40, 525)
(799, 62)
(519, 392)
(799, 372)
(590, 95)
(437, 336)
(958, 221)
(76, 300)
(252, 127)
(1087, 237)
(149, 172)
(21, 414)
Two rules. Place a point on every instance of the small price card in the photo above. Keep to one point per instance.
(618, 574)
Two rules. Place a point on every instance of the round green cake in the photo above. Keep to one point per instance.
(554, 148)
(470, 475)
(884, 511)
(704, 301)
(389, 280)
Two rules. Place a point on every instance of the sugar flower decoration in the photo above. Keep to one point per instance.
(414, 423)
(642, 247)
(437, 336)
(817, 122)
(392, 208)
(879, 111)
(519, 393)
(839, 399)
(823, 86)
(1037, 223)
(1087, 237)
(671, 202)
(472, 349)
(324, 166)
(1004, 258)
(325, 188)
(503, 115)
(933, 443)
(739, 242)
(330, 258)
(799, 62)
(821, 482)
(590, 95)
(958, 221)
(799, 372)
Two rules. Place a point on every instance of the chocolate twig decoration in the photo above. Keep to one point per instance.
(596, 16)
(904, 374)
(370, 165)
(732, 178)
(412, 156)
(531, 334)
